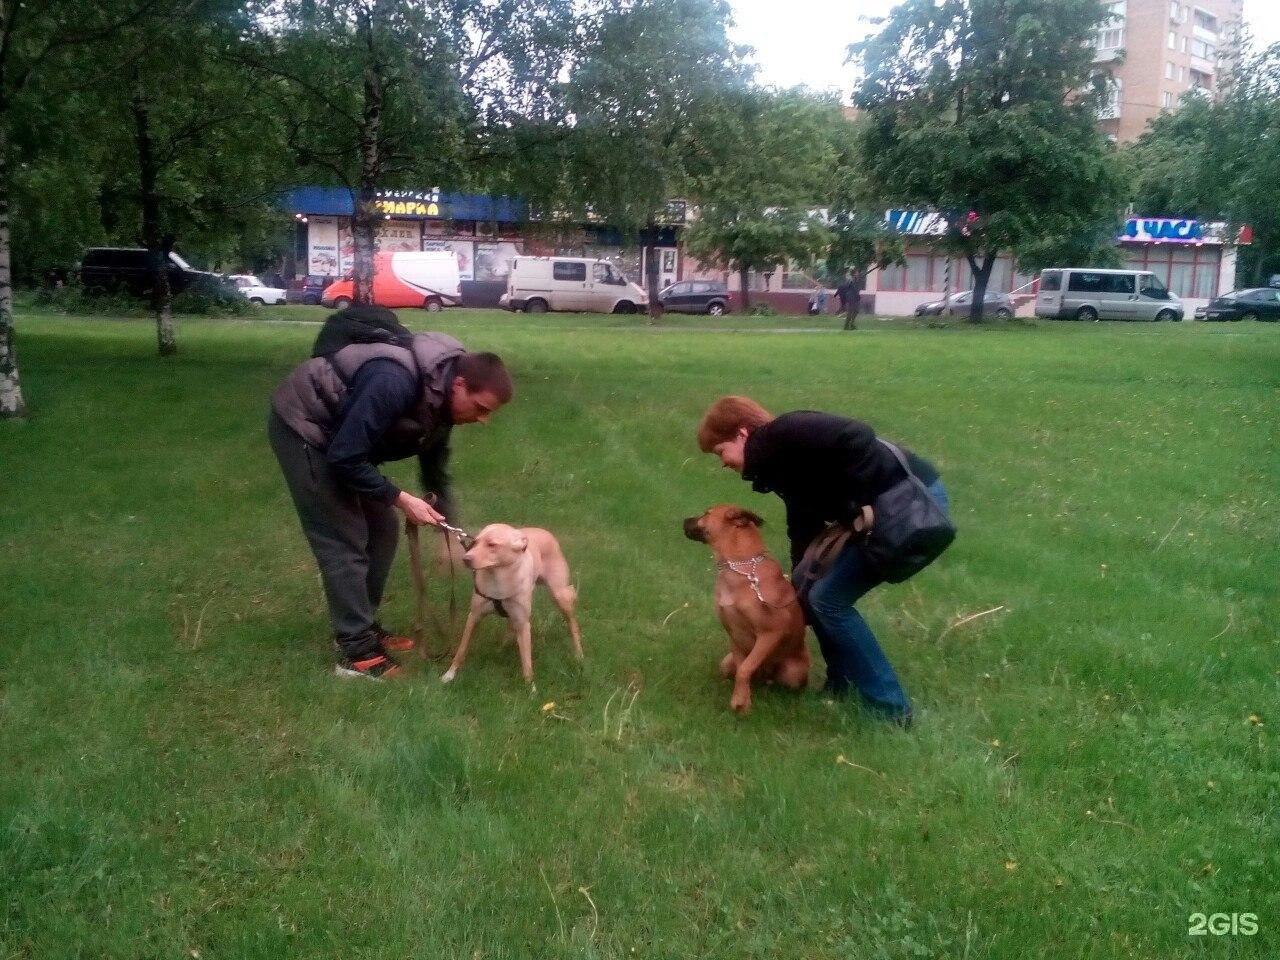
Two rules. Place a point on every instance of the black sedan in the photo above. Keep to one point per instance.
(1262, 303)
(696, 296)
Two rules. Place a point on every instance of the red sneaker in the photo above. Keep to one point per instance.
(393, 643)
(377, 666)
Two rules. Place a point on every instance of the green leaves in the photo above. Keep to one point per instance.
(988, 106)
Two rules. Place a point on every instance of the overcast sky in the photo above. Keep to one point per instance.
(803, 41)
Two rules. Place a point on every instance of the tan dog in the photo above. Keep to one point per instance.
(508, 563)
(756, 603)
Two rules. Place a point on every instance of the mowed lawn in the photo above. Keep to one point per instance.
(1094, 758)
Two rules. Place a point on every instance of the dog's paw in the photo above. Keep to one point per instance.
(448, 675)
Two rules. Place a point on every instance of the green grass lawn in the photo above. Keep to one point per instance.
(183, 777)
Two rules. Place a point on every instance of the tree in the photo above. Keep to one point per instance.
(644, 98)
(386, 94)
(1217, 161)
(185, 137)
(37, 39)
(760, 205)
(985, 111)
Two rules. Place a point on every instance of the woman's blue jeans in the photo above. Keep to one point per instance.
(853, 655)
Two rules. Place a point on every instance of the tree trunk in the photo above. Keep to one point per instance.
(981, 277)
(12, 405)
(364, 220)
(158, 246)
(744, 280)
(651, 268)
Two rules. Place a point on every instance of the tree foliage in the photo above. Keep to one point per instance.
(985, 111)
(644, 98)
(761, 204)
(1221, 161)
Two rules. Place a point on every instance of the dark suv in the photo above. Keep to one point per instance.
(129, 268)
(696, 296)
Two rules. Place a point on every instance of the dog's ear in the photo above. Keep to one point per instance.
(745, 518)
(519, 543)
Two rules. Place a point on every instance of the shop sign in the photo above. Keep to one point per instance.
(408, 203)
(1141, 230)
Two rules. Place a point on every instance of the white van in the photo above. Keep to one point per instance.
(1087, 294)
(539, 284)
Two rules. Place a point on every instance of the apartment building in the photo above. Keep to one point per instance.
(1171, 49)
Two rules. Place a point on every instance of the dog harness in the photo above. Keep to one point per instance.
(751, 572)
(497, 604)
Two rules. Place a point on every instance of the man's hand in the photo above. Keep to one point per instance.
(418, 511)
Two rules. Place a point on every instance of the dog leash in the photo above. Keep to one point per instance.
(753, 577)
(422, 610)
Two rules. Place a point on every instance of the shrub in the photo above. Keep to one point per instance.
(205, 297)
(763, 310)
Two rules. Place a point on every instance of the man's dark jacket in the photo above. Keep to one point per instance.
(825, 468)
(368, 403)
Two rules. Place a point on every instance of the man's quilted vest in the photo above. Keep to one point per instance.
(310, 397)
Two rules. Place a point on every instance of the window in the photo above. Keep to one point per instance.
(1201, 81)
(1168, 69)
(1051, 280)
(1173, 40)
(1169, 267)
(604, 273)
(1081, 282)
(1110, 34)
(1110, 110)
(1152, 287)
(1086, 282)
(1168, 101)
(1205, 51)
(569, 270)
(1206, 21)
(918, 273)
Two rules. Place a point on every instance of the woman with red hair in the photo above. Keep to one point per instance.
(828, 470)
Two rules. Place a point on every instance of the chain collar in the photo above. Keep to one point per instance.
(749, 569)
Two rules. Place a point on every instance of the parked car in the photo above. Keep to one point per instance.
(539, 284)
(696, 296)
(1259, 303)
(405, 278)
(255, 290)
(309, 290)
(104, 269)
(993, 305)
(1088, 294)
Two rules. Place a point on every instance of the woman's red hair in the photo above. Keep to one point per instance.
(726, 417)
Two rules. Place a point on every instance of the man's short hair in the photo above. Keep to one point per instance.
(485, 372)
(726, 417)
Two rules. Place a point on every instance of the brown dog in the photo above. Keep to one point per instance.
(756, 603)
(508, 563)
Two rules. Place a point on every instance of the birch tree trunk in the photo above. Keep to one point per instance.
(158, 247)
(365, 215)
(11, 403)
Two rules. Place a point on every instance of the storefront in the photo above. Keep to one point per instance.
(484, 233)
(1194, 261)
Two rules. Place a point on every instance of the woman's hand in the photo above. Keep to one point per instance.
(418, 511)
(865, 520)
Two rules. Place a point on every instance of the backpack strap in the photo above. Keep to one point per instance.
(901, 458)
